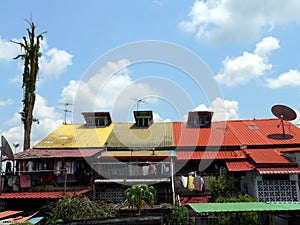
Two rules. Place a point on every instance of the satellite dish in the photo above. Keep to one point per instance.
(283, 112)
(6, 149)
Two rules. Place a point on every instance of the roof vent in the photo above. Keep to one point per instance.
(97, 119)
(143, 118)
(199, 119)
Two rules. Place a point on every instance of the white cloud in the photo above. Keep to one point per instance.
(228, 20)
(223, 109)
(54, 62)
(110, 89)
(248, 66)
(69, 92)
(6, 102)
(48, 118)
(265, 47)
(290, 78)
(158, 119)
(158, 2)
(8, 50)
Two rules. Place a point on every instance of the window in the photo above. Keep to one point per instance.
(253, 127)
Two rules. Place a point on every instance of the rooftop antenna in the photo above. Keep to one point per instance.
(66, 111)
(137, 101)
(284, 113)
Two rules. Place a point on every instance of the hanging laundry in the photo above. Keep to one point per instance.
(184, 181)
(191, 183)
(16, 183)
(152, 169)
(145, 170)
(58, 167)
(25, 181)
(197, 183)
(29, 166)
(162, 168)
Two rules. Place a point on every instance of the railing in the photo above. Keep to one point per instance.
(39, 180)
(133, 170)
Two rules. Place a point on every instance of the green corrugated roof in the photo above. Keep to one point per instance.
(129, 135)
(243, 207)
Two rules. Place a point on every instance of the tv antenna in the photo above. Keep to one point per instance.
(137, 101)
(284, 113)
(65, 111)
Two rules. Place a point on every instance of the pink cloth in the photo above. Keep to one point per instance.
(25, 181)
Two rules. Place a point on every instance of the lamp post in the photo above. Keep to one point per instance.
(16, 145)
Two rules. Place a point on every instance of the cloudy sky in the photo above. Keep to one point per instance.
(174, 56)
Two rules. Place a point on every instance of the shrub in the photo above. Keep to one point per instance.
(179, 216)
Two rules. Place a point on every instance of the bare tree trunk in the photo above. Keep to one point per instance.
(31, 47)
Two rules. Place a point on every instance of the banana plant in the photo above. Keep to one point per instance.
(139, 195)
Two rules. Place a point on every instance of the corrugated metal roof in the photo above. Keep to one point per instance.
(190, 136)
(40, 194)
(289, 149)
(18, 219)
(136, 154)
(279, 170)
(223, 133)
(198, 155)
(267, 132)
(8, 213)
(266, 156)
(76, 136)
(129, 135)
(243, 207)
(237, 133)
(236, 166)
(56, 153)
(184, 200)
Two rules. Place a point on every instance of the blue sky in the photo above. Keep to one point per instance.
(250, 47)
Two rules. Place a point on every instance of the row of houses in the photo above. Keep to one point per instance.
(103, 158)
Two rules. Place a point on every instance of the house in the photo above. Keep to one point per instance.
(103, 158)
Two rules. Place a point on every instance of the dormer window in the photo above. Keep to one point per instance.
(199, 119)
(143, 118)
(97, 119)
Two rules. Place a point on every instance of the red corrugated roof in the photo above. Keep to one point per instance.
(184, 200)
(56, 153)
(288, 149)
(237, 133)
(8, 213)
(267, 156)
(189, 136)
(187, 155)
(239, 166)
(279, 170)
(40, 194)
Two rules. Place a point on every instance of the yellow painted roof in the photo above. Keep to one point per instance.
(76, 136)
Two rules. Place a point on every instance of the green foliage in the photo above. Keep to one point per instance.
(77, 207)
(139, 195)
(179, 216)
(223, 186)
(238, 198)
(223, 190)
(243, 218)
